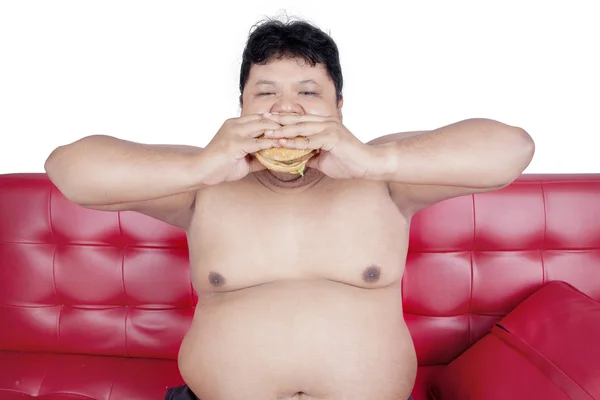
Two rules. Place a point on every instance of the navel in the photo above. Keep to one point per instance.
(371, 274)
(216, 279)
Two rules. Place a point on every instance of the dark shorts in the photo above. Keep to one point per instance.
(180, 393)
(184, 393)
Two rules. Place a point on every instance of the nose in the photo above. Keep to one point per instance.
(287, 104)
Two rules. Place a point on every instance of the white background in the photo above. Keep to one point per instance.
(167, 71)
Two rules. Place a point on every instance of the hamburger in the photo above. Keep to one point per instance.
(285, 160)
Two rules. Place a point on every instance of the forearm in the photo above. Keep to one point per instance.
(103, 170)
(477, 153)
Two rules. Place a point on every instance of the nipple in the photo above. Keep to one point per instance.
(371, 274)
(216, 279)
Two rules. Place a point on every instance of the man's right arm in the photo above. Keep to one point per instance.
(106, 173)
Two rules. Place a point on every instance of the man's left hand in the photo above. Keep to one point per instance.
(341, 155)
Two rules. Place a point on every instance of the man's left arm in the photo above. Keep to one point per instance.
(471, 156)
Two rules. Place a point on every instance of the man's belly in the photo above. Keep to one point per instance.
(323, 339)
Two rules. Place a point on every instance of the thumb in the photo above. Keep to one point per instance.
(313, 162)
(255, 165)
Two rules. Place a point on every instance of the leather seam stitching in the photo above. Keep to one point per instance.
(544, 272)
(112, 386)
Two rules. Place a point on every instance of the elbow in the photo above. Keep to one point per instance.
(64, 162)
(60, 173)
(53, 163)
(524, 149)
(519, 155)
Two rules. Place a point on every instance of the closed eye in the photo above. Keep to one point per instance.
(306, 93)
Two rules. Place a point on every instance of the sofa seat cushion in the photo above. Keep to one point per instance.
(548, 347)
(425, 375)
(46, 376)
(82, 377)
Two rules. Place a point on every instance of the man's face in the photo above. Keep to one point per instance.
(290, 86)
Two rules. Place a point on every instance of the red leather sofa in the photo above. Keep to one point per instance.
(94, 304)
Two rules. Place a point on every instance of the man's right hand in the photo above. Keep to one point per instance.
(228, 155)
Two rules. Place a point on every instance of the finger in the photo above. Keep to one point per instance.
(248, 118)
(324, 141)
(257, 144)
(256, 128)
(301, 129)
(289, 119)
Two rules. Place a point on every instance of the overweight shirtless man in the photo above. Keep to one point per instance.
(298, 276)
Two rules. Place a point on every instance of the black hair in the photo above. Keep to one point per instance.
(275, 39)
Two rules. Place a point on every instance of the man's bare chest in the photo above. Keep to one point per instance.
(352, 233)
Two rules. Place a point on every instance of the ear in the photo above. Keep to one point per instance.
(339, 107)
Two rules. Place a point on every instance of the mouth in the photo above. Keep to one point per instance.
(285, 176)
(288, 162)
